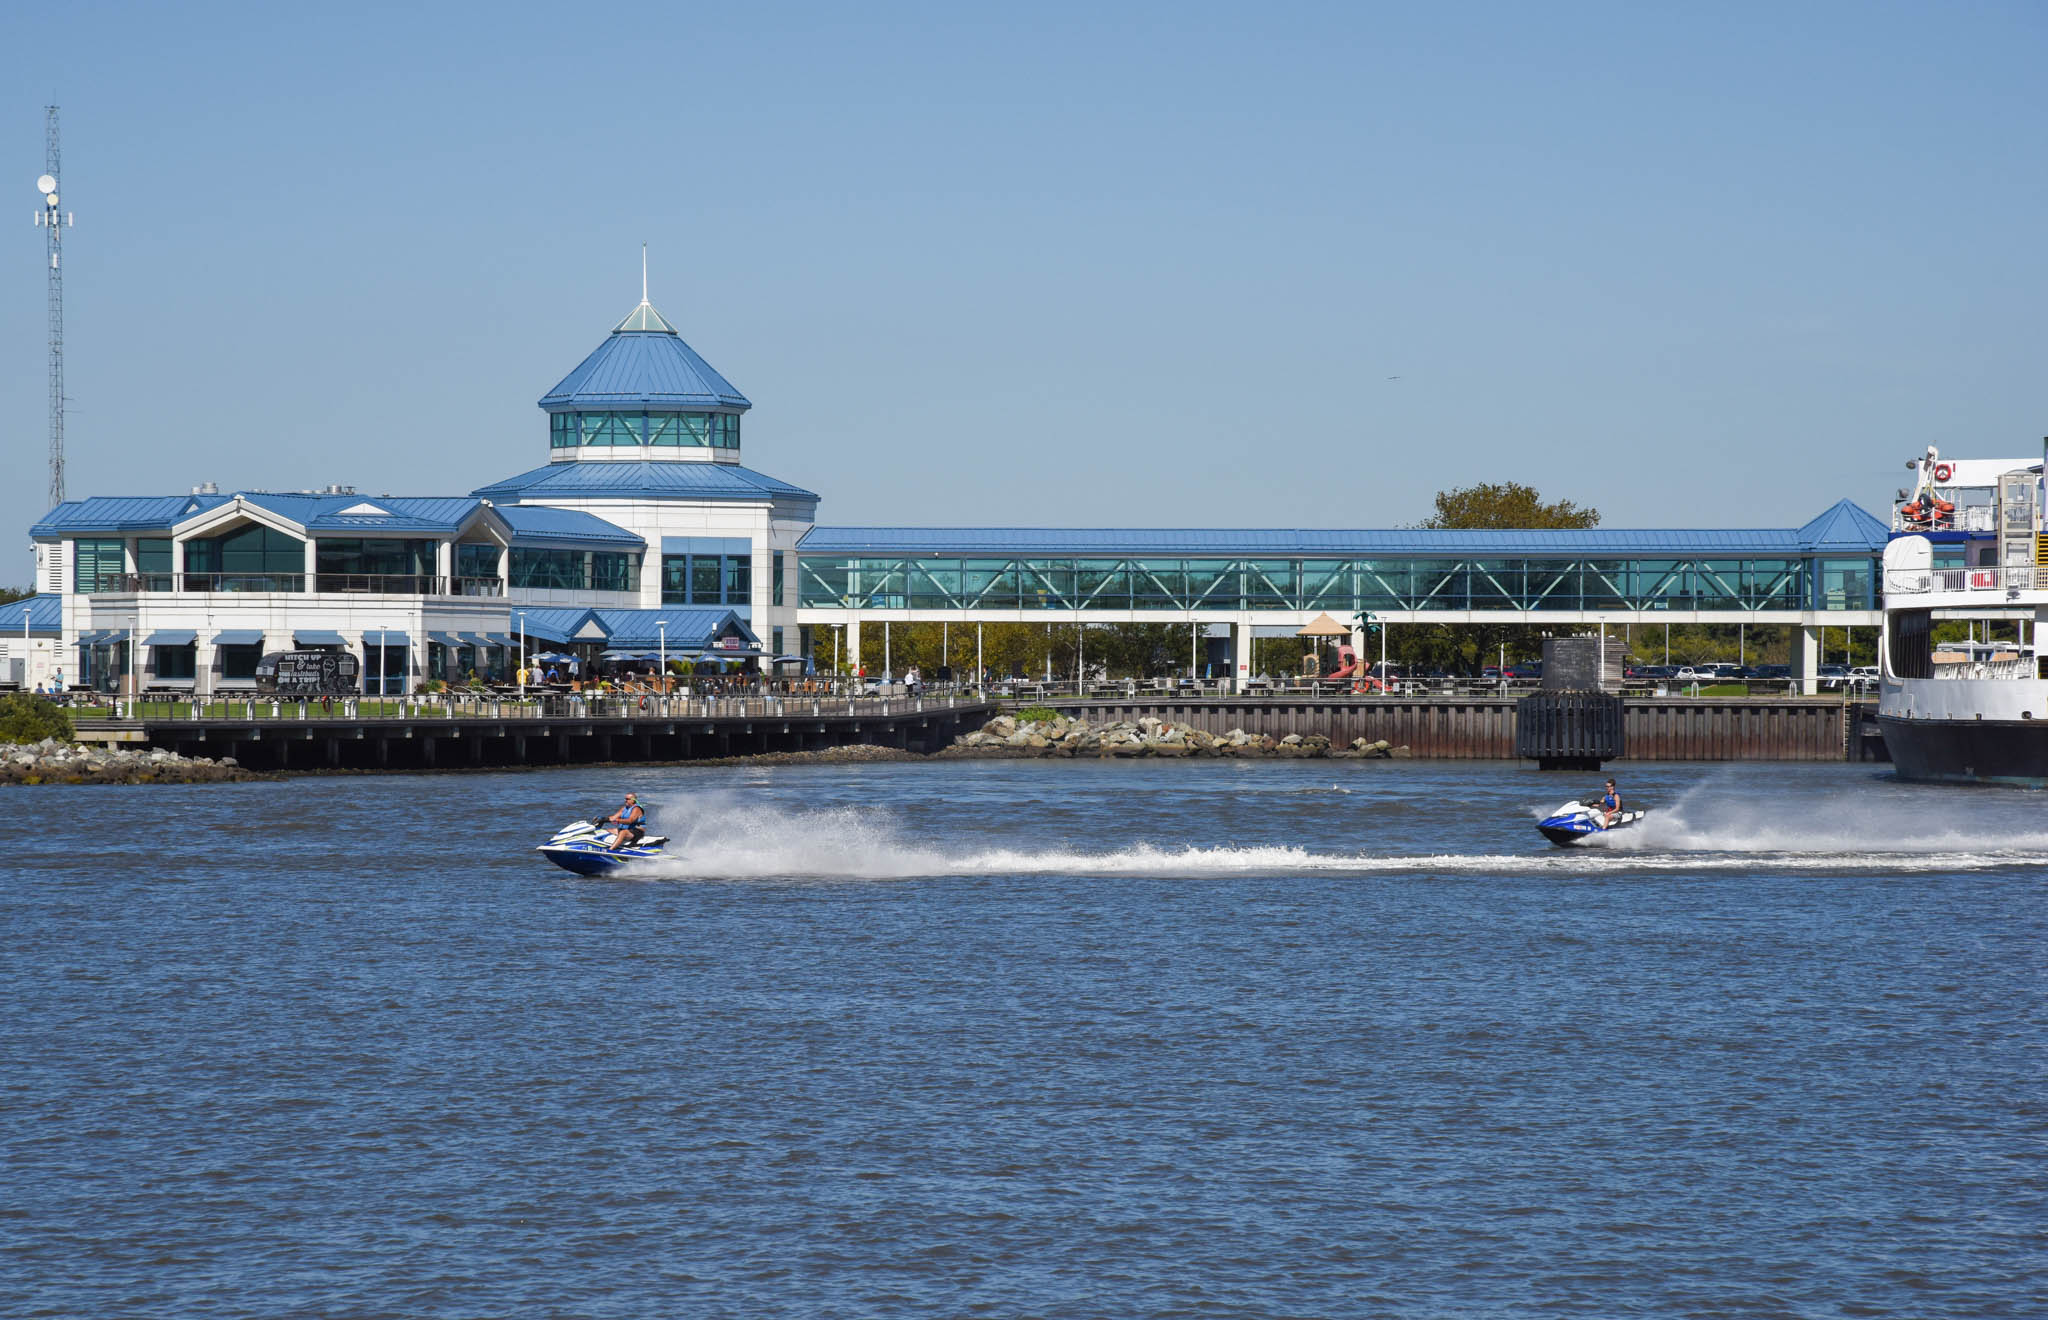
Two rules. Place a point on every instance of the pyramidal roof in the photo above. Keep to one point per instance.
(644, 364)
(1846, 525)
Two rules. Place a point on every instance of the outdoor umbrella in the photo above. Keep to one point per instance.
(1320, 627)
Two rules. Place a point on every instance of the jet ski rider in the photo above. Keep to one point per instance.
(1610, 805)
(631, 823)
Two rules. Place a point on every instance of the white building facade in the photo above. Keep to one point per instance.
(642, 532)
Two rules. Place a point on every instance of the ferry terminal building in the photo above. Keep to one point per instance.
(644, 534)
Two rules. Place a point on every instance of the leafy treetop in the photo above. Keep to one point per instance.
(1507, 504)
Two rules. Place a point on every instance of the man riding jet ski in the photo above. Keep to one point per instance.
(597, 846)
(1596, 813)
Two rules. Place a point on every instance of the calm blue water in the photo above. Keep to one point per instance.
(1010, 1039)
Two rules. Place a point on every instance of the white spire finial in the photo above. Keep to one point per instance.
(643, 274)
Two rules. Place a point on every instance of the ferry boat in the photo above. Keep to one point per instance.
(1963, 692)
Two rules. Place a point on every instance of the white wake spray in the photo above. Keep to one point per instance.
(722, 838)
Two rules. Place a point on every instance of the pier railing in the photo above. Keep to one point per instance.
(551, 707)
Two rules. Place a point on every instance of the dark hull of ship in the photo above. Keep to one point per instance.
(1969, 751)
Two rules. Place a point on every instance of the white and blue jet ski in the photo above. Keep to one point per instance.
(1579, 820)
(580, 847)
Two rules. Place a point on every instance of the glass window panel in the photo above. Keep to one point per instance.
(1211, 582)
(1845, 584)
(705, 571)
(1603, 583)
(820, 581)
(1494, 584)
(1656, 583)
(1551, 584)
(1325, 584)
(989, 583)
(153, 554)
(935, 583)
(1157, 584)
(476, 561)
(1382, 584)
(739, 579)
(1269, 583)
(1717, 584)
(97, 565)
(238, 661)
(1439, 584)
(1102, 584)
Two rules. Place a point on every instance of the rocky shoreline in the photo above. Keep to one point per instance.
(1008, 736)
(55, 762)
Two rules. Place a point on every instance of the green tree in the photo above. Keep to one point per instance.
(27, 718)
(1470, 647)
(1505, 504)
(14, 593)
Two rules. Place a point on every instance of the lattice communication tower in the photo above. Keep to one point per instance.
(54, 221)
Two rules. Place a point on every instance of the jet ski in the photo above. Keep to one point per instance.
(580, 847)
(1579, 820)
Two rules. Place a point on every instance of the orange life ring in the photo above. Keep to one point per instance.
(1942, 471)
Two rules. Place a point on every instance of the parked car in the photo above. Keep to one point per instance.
(1774, 673)
(1864, 677)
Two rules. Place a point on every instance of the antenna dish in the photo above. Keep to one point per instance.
(46, 184)
(51, 198)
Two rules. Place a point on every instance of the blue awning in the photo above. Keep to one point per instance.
(316, 637)
(501, 639)
(103, 637)
(474, 639)
(386, 637)
(444, 639)
(238, 637)
(172, 637)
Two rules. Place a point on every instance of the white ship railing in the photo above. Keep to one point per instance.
(1988, 581)
(1974, 518)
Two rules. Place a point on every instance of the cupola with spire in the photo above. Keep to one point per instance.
(644, 394)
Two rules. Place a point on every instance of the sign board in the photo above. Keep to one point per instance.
(730, 644)
(309, 674)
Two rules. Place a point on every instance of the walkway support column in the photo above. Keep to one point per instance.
(853, 644)
(1806, 658)
(1240, 654)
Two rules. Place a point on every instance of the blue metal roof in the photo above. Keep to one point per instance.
(537, 524)
(123, 513)
(1845, 526)
(643, 480)
(1592, 542)
(689, 629)
(367, 514)
(315, 512)
(45, 616)
(644, 364)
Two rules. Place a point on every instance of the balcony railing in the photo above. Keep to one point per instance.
(207, 582)
(382, 584)
(1986, 581)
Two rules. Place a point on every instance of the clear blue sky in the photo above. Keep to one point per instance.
(1059, 264)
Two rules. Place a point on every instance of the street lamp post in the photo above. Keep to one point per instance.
(661, 628)
(383, 677)
(27, 658)
(522, 655)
